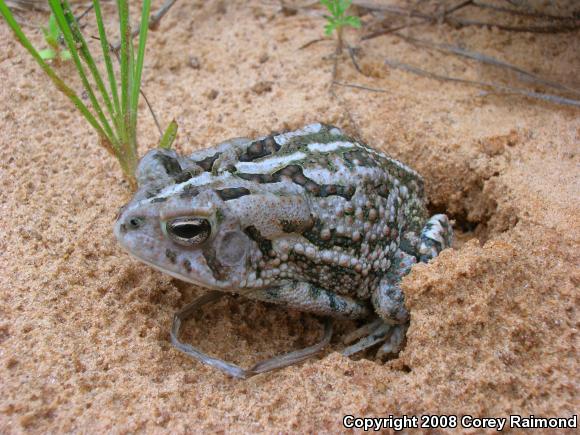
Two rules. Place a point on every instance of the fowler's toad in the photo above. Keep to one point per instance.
(311, 219)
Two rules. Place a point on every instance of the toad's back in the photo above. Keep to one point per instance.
(361, 203)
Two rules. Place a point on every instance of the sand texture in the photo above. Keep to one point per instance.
(84, 329)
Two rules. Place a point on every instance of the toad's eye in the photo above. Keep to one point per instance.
(188, 231)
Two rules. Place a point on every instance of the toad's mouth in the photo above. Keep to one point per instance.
(187, 278)
(206, 282)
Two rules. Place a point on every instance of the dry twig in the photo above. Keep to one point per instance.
(364, 88)
(352, 54)
(314, 41)
(483, 58)
(505, 89)
(521, 13)
(446, 17)
(154, 21)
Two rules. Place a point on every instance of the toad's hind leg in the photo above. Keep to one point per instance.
(299, 295)
(437, 234)
(230, 368)
(388, 298)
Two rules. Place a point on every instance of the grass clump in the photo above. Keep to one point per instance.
(114, 100)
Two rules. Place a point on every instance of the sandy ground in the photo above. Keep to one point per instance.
(84, 343)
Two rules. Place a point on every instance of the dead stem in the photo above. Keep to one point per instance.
(503, 88)
(390, 30)
(482, 5)
(483, 58)
(447, 18)
(347, 110)
(314, 41)
(352, 54)
(364, 88)
(154, 22)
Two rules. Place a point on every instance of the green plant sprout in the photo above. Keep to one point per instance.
(338, 20)
(169, 136)
(114, 108)
(53, 37)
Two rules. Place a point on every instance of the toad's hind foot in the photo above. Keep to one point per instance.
(373, 333)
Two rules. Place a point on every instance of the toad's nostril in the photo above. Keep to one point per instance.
(120, 212)
(134, 223)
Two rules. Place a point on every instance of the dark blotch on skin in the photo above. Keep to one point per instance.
(189, 191)
(294, 172)
(257, 178)
(264, 244)
(232, 193)
(289, 226)
(314, 188)
(313, 236)
(171, 256)
(383, 190)
(183, 177)
(187, 265)
(290, 171)
(363, 158)
(158, 199)
(254, 151)
(152, 193)
(208, 162)
(218, 270)
(314, 292)
(170, 164)
(261, 148)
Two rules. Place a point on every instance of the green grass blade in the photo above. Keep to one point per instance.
(88, 58)
(107, 55)
(126, 67)
(58, 82)
(132, 132)
(169, 136)
(69, 39)
(139, 62)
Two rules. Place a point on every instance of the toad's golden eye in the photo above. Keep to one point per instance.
(188, 231)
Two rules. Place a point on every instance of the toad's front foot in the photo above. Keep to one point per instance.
(391, 338)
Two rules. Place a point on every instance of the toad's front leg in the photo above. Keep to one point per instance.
(388, 298)
(389, 303)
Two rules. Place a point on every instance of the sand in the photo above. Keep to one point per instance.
(84, 341)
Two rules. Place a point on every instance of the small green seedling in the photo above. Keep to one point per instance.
(338, 20)
(169, 136)
(53, 37)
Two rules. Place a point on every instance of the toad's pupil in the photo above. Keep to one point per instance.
(187, 230)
